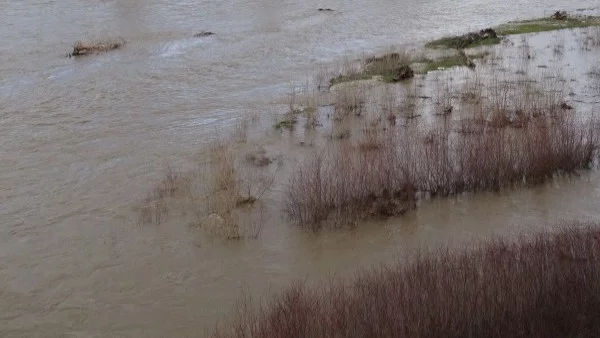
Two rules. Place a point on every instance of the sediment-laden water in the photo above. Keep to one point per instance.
(83, 139)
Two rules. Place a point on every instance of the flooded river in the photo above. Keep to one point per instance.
(82, 139)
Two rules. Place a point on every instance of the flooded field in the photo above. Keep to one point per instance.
(85, 139)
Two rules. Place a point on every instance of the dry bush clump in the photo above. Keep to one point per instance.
(349, 99)
(154, 205)
(443, 94)
(346, 182)
(222, 194)
(503, 101)
(472, 90)
(541, 286)
(229, 191)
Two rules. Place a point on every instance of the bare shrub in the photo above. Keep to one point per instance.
(154, 205)
(258, 157)
(349, 99)
(240, 131)
(540, 286)
(472, 90)
(443, 96)
(345, 183)
(387, 101)
(410, 105)
(223, 194)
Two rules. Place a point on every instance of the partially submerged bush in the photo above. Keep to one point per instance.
(349, 99)
(544, 286)
(345, 184)
(96, 46)
(222, 194)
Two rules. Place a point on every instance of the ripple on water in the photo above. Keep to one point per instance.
(180, 47)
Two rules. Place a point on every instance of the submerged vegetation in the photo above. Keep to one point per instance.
(222, 195)
(484, 37)
(493, 131)
(459, 59)
(391, 67)
(544, 286)
(381, 148)
(559, 20)
(489, 36)
(388, 177)
(489, 134)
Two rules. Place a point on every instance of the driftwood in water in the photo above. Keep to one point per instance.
(85, 48)
(203, 34)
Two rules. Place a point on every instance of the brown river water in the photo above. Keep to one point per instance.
(82, 140)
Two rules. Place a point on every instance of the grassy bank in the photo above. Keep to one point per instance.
(545, 286)
(558, 21)
(391, 67)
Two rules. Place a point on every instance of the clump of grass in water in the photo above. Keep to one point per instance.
(489, 36)
(559, 20)
(391, 67)
(484, 37)
(288, 122)
(459, 59)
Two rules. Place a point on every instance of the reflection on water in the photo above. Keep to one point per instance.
(81, 139)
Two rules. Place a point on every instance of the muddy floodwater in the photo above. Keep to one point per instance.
(83, 139)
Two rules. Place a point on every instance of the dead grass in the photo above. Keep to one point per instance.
(349, 99)
(154, 205)
(222, 194)
(540, 286)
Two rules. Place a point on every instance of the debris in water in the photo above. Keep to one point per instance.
(85, 48)
(203, 34)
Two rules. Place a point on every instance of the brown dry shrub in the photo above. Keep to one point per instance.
(543, 286)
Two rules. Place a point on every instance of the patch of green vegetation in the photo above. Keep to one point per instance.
(547, 24)
(309, 109)
(391, 67)
(479, 55)
(485, 42)
(350, 78)
(470, 40)
(486, 37)
(287, 123)
(389, 78)
(460, 59)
